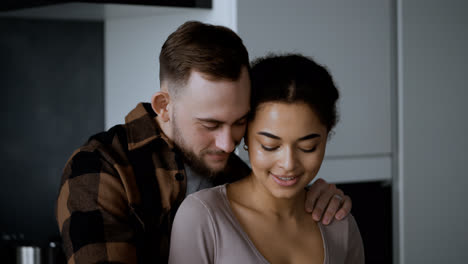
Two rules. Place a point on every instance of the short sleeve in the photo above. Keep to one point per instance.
(355, 253)
(193, 238)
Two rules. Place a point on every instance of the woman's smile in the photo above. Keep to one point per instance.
(284, 180)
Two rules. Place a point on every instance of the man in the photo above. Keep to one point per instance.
(121, 190)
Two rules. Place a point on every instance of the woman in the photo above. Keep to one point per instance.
(260, 219)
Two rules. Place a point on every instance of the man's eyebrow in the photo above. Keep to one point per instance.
(310, 136)
(209, 120)
(243, 117)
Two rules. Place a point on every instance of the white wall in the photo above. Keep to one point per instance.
(433, 131)
(354, 40)
(132, 47)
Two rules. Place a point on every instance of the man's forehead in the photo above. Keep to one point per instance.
(216, 77)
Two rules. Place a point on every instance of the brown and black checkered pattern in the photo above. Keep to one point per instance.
(120, 191)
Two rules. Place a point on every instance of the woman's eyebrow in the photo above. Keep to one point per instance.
(266, 134)
(310, 136)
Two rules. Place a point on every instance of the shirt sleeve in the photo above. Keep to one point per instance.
(93, 213)
(193, 237)
(355, 253)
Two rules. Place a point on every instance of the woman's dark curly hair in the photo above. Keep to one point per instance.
(294, 78)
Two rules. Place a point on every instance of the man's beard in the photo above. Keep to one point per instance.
(191, 159)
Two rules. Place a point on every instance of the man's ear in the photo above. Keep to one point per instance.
(160, 104)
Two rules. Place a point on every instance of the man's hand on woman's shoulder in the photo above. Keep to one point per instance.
(326, 202)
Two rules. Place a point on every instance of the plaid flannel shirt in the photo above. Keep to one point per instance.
(120, 192)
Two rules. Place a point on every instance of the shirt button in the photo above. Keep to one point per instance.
(179, 176)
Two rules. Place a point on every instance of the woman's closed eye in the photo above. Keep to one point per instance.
(268, 148)
(308, 146)
(305, 150)
(309, 150)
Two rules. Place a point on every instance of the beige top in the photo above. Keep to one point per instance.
(205, 230)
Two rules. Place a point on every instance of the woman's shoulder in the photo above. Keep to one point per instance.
(208, 194)
(340, 229)
(341, 225)
(200, 207)
(210, 198)
(194, 232)
(343, 239)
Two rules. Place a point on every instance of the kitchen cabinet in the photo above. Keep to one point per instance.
(97, 10)
(354, 41)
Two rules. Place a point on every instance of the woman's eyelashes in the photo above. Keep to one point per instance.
(309, 150)
(269, 148)
(305, 150)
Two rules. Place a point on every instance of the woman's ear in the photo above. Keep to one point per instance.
(160, 104)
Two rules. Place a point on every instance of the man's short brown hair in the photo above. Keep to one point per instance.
(213, 50)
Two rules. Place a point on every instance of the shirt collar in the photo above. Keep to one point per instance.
(142, 127)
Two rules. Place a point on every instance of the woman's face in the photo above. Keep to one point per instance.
(286, 147)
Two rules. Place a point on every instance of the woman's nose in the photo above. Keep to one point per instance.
(288, 159)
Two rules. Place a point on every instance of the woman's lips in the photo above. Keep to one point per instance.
(284, 180)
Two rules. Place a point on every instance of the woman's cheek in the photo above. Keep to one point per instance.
(315, 163)
(260, 157)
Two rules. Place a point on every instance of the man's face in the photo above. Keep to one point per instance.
(208, 120)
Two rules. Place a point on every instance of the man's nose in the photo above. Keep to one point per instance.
(225, 141)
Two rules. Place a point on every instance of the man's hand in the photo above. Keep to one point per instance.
(322, 195)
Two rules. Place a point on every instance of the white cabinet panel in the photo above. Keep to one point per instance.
(356, 169)
(353, 39)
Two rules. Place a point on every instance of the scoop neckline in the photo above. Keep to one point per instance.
(223, 191)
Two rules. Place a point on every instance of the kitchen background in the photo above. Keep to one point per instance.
(400, 149)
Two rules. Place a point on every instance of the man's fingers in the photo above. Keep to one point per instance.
(345, 209)
(327, 202)
(310, 201)
(333, 206)
(323, 201)
(317, 213)
(313, 194)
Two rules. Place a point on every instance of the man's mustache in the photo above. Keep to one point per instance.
(216, 152)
